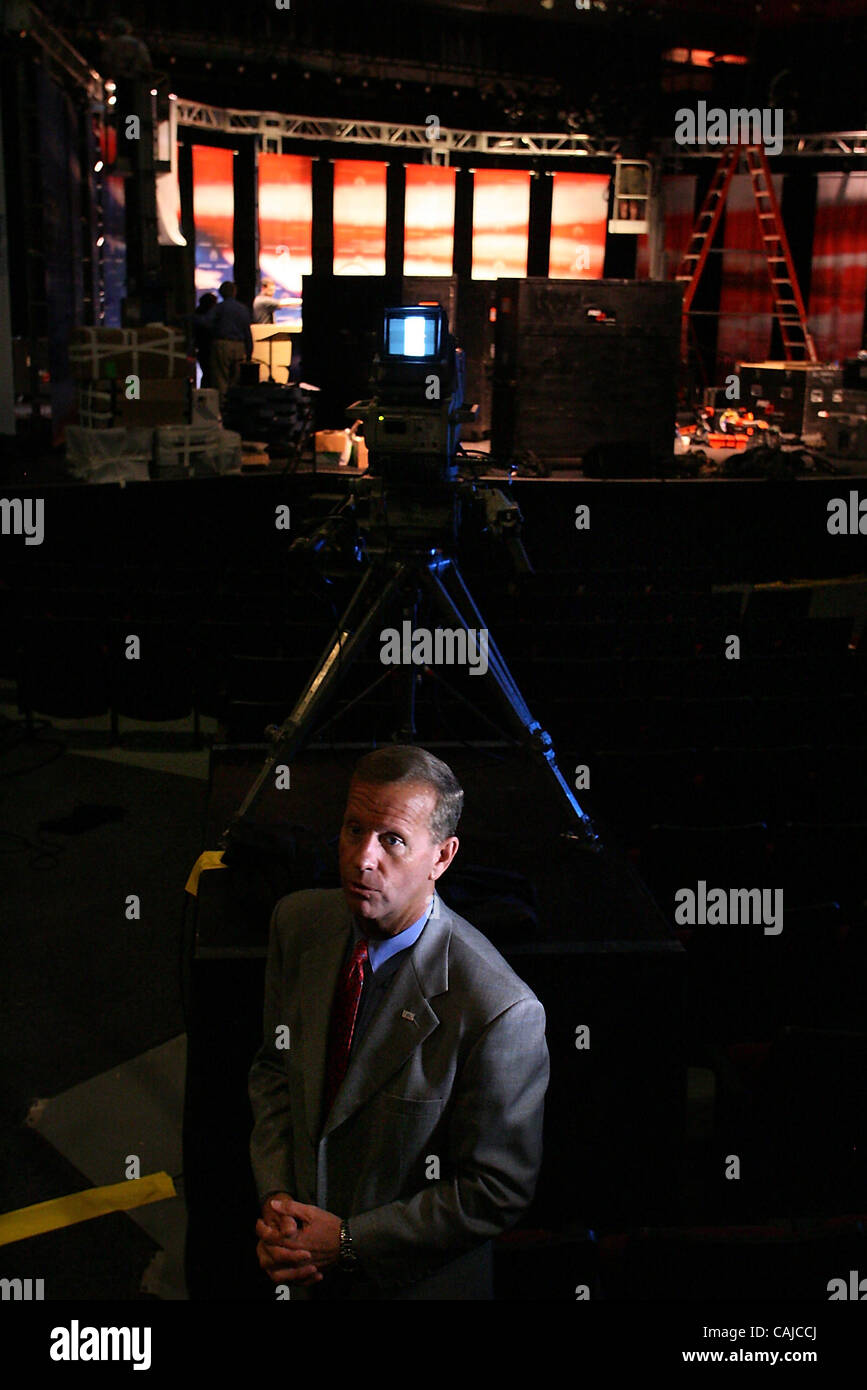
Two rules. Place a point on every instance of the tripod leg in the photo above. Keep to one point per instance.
(348, 640)
(407, 730)
(446, 585)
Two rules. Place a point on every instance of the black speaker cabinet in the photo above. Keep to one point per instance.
(584, 362)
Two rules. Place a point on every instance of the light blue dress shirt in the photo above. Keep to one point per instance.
(378, 952)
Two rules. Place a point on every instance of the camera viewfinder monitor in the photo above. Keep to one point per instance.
(414, 333)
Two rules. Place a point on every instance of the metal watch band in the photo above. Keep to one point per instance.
(347, 1257)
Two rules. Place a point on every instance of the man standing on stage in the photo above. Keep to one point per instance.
(264, 304)
(232, 342)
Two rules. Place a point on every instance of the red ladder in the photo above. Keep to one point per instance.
(788, 304)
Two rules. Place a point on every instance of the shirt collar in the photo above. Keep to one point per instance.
(378, 952)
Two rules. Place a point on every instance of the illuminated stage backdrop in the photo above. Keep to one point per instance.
(579, 223)
(213, 216)
(746, 303)
(286, 226)
(839, 275)
(501, 222)
(429, 220)
(114, 249)
(678, 214)
(359, 217)
(113, 229)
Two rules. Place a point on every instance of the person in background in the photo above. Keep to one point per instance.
(201, 321)
(264, 304)
(232, 339)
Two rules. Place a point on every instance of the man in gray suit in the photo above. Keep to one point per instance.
(399, 1092)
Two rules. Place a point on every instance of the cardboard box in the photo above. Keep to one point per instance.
(103, 405)
(330, 441)
(159, 403)
(114, 353)
(330, 445)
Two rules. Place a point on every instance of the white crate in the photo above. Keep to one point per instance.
(96, 405)
(205, 409)
(186, 450)
(109, 456)
(229, 447)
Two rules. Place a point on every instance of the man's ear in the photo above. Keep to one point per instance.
(447, 851)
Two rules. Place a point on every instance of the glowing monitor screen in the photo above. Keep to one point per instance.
(412, 334)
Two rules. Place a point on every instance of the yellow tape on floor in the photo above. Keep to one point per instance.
(83, 1206)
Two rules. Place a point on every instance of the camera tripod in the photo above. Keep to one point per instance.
(398, 581)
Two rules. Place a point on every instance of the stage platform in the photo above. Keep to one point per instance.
(25, 463)
(751, 530)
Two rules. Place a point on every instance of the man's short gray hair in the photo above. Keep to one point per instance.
(403, 762)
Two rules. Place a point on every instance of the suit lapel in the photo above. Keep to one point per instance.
(392, 1036)
(320, 967)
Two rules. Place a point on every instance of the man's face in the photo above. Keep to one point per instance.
(268, 287)
(388, 861)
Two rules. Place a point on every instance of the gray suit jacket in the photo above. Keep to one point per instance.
(434, 1141)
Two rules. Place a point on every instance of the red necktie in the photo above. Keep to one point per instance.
(342, 1025)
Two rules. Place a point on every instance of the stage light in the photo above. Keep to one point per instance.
(172, 96)
(98, 167)
(111, 86)
(112, 101)
(153, 91)
(100, 241)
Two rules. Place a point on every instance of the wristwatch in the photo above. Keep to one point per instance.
(346, 1258)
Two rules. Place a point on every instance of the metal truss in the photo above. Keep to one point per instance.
(848, 143)
(271, 126)
(30, 21)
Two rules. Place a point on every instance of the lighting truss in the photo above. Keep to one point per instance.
(272, 127)
(832, 144)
